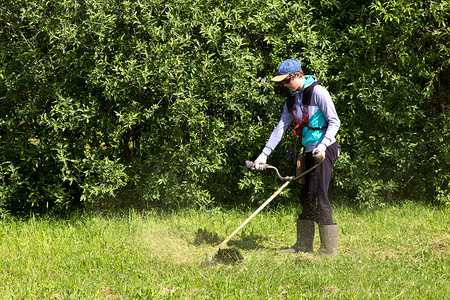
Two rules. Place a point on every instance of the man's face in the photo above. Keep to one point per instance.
(292, 82)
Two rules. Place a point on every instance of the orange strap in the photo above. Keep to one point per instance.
(300, 123)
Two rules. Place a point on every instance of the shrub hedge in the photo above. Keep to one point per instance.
(161, 102)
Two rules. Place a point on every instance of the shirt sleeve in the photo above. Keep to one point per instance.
(279, 131)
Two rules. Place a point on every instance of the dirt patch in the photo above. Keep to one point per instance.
(440, 247)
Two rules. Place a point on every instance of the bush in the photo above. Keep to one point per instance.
(166, 100)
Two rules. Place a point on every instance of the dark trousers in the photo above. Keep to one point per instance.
(314, 194)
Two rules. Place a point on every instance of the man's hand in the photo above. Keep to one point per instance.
(319, 153)
(260, 162)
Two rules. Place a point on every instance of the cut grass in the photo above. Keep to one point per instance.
(398, 252)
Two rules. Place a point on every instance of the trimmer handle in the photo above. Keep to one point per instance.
(249, 165)
(252, 166)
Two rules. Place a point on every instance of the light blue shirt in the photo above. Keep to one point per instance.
(321, 113)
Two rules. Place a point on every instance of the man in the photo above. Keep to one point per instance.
(319, 123)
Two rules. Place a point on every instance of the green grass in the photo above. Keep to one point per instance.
(398, 252)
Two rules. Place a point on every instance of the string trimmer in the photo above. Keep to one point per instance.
(223, 247)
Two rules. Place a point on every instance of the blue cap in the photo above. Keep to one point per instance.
(287, 67)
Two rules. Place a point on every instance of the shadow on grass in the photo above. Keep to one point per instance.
(244, 241)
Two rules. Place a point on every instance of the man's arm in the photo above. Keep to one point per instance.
(278, 132)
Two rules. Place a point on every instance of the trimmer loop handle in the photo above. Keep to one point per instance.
(251, 165)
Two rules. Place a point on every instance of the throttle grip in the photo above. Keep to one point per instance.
(249, 164)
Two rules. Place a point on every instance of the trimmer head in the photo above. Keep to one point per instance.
(228, 255)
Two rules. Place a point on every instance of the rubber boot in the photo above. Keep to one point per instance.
(305, 237)
(328, 239)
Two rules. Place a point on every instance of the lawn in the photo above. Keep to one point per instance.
(395, 252)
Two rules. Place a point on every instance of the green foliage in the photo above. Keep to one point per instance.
(163, 101)
(393, 98)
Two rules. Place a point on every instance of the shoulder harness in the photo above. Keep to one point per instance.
(306, 101)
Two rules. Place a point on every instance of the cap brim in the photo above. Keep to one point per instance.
(280, 77)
